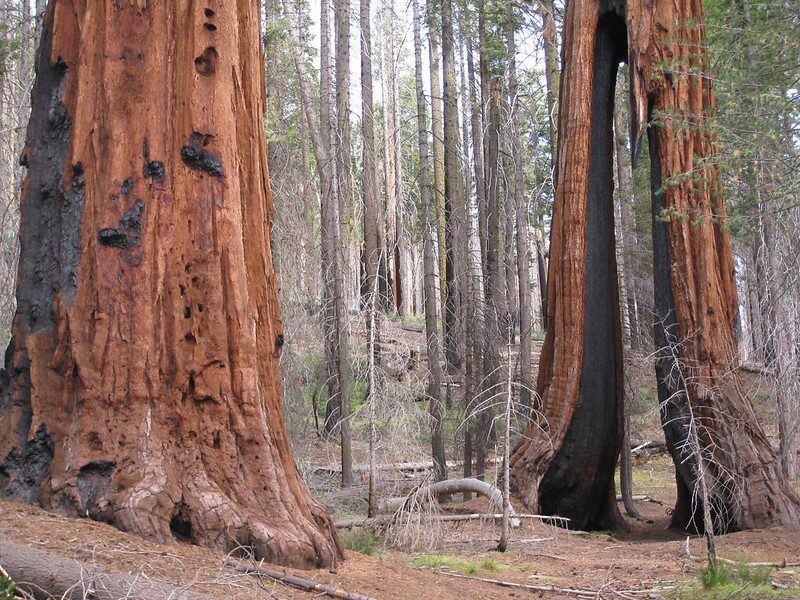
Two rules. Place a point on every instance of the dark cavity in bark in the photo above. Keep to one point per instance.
(579, 483)
(23, 469)
(129, 233)
(94, 482)
(197, 158)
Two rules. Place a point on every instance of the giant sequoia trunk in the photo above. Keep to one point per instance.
(142, 384)
(696, 300)
(565, 462)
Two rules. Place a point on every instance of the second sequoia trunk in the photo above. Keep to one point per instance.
(708, 420)
(564, 464)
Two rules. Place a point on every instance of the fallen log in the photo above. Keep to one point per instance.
(648, 448)
(641, 498)
(384, 520)
(552, 588)
(45, 575)
(402, 467)
(295, 580)
(776, 565)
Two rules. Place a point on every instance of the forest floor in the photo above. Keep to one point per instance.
(452, 560)
(648, 561)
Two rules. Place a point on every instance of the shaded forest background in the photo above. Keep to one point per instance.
(490, 101)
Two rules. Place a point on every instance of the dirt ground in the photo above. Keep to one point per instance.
(647, 562)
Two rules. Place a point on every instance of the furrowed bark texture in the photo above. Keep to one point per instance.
(696, 298)
(564, 464)
(142, 384)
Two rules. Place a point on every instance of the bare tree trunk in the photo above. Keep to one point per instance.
(372, 248)
(541, 269)
(389, 171)
(631, 325)
(343, 145)
(476, 128)
(509, 319)
(494, 289)
(551, 62)
(507, 412)
(400, 258)
(623, 197)
(437, 125)
(465, 110)
(143, 386)
(523, 265)
(625, 459)
(431, 327)
(455, 202)
(550, 37)
(328, 198)
(340, 415)
(472, 367)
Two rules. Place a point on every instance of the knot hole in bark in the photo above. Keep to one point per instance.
(198, 157)
(206, 63)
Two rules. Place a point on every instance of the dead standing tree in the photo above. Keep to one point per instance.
(568, 469)
(142, 384)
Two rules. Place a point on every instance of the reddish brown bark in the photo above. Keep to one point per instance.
(142, 383)
(565, 462)
(696, 297)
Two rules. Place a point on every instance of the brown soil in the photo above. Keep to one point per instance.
(646, 557)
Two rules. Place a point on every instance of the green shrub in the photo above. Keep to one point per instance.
(364, 542)
(757, 575)
(741, 573)
(715, 575)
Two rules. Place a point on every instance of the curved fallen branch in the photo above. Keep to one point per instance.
(45, 575)
(456, 486)
(295, 581)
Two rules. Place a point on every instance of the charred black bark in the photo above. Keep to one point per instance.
(672, 395)
(579, 482)
(50, 228)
